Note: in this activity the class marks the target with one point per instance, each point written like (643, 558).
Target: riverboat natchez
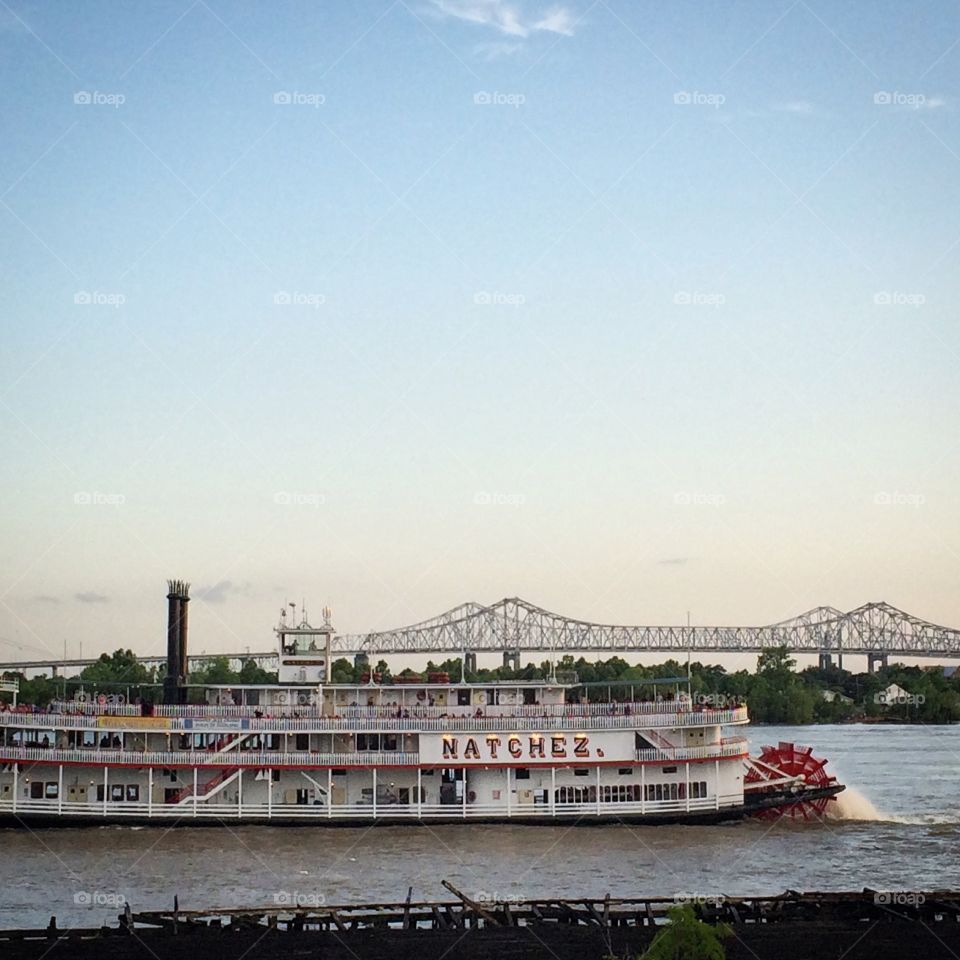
(430, 749)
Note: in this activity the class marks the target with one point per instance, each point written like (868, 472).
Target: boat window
(669, 769)
(133, 792)
(625, 771)
(36, 790)
(522, 773)
(52, 790)
(581, 772)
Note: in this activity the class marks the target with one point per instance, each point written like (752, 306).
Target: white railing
(732, 747)
(387, 710)
(119, 810)
(200, 758)
(373, 723)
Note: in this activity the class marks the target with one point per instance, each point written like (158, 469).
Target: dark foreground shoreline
(866, 925)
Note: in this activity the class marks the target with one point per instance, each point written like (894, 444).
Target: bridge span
(513, 627)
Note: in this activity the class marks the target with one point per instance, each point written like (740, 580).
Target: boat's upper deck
(593, 716)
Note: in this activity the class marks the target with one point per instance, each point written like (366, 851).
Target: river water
(903, 833)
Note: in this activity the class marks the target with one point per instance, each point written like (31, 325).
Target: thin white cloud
(90, 597)
(557, 20)
(221, 591)
(507, 18)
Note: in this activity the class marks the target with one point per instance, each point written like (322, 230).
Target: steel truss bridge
(514, 627)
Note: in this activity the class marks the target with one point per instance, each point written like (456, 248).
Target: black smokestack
(171, 682)
(182, 642)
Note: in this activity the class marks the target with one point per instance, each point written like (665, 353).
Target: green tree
(215, 671)
(39, 690)
(121, 668)
(250, 673)
(343, 671)
(687, 937)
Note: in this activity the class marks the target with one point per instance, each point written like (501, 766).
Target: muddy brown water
(902, 834)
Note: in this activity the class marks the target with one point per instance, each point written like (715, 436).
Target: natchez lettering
(536, 747)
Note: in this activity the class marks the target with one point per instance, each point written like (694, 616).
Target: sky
(628, 309)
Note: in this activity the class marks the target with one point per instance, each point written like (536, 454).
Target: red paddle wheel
(789, 772)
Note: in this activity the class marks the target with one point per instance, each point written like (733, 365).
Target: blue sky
(629, 309)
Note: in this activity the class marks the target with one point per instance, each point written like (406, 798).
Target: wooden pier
(865, 925)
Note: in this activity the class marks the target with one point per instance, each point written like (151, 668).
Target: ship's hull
(34, 820)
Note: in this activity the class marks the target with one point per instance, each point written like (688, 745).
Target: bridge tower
(511, 659)
(874, 657)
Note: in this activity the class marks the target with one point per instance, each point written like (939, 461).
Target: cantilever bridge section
(515, 626)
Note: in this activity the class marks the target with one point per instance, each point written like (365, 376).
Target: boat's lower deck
(395, 794)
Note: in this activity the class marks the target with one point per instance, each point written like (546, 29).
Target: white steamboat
(306, 750)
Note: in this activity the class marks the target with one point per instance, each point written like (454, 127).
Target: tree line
(775, 690)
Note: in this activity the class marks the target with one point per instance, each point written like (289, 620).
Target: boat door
(451, 787)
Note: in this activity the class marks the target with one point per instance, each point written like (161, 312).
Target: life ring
(421, 694)
(281, 697)
(481, 697)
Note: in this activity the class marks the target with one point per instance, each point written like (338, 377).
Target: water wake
(853, 805)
